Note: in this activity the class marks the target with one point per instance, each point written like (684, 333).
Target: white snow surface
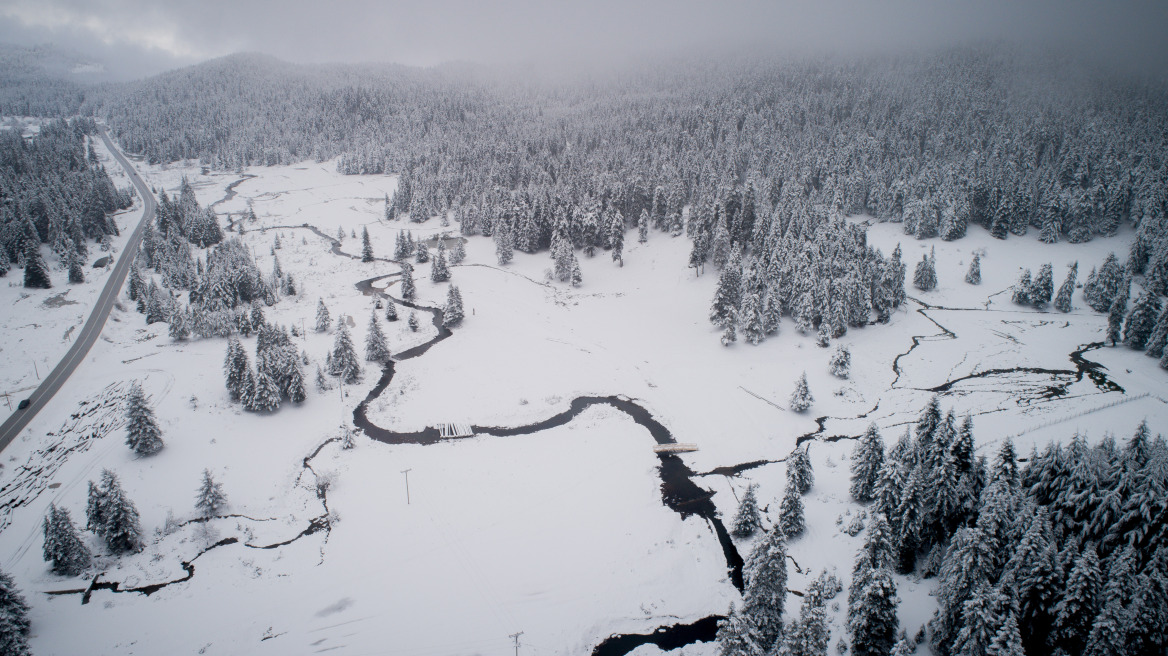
(561, 534)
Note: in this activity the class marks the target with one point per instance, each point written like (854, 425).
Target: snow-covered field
(39, 325)
(561, 534)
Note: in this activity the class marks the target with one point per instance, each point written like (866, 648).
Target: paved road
(88, 335)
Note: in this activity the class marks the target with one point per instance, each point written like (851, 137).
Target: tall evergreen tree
(439, 271)
(748, 519)
(265, 396)
(36, 272)
(142, 432)
(366, 246)
(1076, 610)
(1141, 321)
(14, 624)
(210, 499)
(235, 366)
(62, 545)
(791, 517)
(801, 398)
(867, 459)
(390, 310)
(1115, 319)
(118, 517)
(874, 625)
(616, 237)
(799, 469)
(376, 348)
(840, 363)
(1022, 289)
(322, 316)
(729, 293)
(452, 312)
(925, 276)
(766, 587)
(1062, 301)
(1159, 336)
(973, 276)
(643, 227)
(408, 291)
(1043, 287)
(344, 356)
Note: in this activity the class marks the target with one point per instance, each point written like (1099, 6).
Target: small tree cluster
(452, 312)
(112, 516)
(63, 547)
(142, 432)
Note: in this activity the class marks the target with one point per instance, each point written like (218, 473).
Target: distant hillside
(45, 81)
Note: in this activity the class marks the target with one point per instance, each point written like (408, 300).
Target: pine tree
(293, 386)
(390, 310)
(439, 271)
(266, 394)
(643, 227)
(376, 348)
(801, 398)
(421, 253)
(1159, 336)
(791, 519)
(210, 498)
(799, 469)
(235, 365)
(247, 390)
(737, 635)
(766, 587)
(135, 286)
(322, 384)
(748, 519)
(180, 325)
(119, 518)
(925, 276)
(412, 322)
(344, 356)
(1022, 288)
(577, 274)
(76, 273)
(730, 334)
(408, 291)
(1075, 611)
(452, 313)
(366, 246)
(504, 244)
(1109, 635)
(1008, 640)
(874, 625)
(1115, 319)
(1062, 301)
(14, 624)
(142, 432)
(867, 460)
(1141, 321)
(729, 292)
(840, 362)
(322, 316)
(1043, 287)
(458, 253)
(616, 237)
(36, 272)
(752, 328)
(62, 545)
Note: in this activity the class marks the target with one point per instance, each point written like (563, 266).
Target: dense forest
(53, 191)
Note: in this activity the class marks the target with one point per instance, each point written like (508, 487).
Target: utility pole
(515, 637)
(407, 473)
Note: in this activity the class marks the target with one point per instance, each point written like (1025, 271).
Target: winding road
(101, 309)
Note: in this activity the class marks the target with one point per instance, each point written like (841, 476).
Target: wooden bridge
(451, 431)
(675, 448)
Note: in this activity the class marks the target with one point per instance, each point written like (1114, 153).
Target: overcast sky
(137, 37)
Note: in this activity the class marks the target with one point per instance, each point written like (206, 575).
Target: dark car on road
(23, 404)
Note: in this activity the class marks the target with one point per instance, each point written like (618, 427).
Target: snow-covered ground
(561, 534)
(39, 325)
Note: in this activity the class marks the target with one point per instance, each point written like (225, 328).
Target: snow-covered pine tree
(344, 355)
(412, 322)
(1115, 319)
(62, 546)
(729, 293)
(142, 432)
(439, 271)
(120, 528)
(766, 587)
(867, 459)
(752, 321)
(322, 384)
(737, 635)
(1043, 287)
(1022, 288)
(1141, 321)
(616, 237)
(1159, 336)
(840, 362)
(210, 498)
(14, 624)
(390, 310)
(809, 634)
(408, 291)
(135, 287)
(1080, 601)
(266, 395)
(340, 233)
(577, 275)
(452, 312)
(376, 348)
(1062, 300)
(925, 276)
(1100, 289)
(458, 253)
(421, 253)
(799, 469)
(874, 625)
(791, 519)
(235, 365)
(973, 276)
(801, 398)
(730, 333)
(36, 272)
(748, 519)
(643, 227)
(180, 325)
(322, 316)
(293, 382)
(366, 246)
(76, 273)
